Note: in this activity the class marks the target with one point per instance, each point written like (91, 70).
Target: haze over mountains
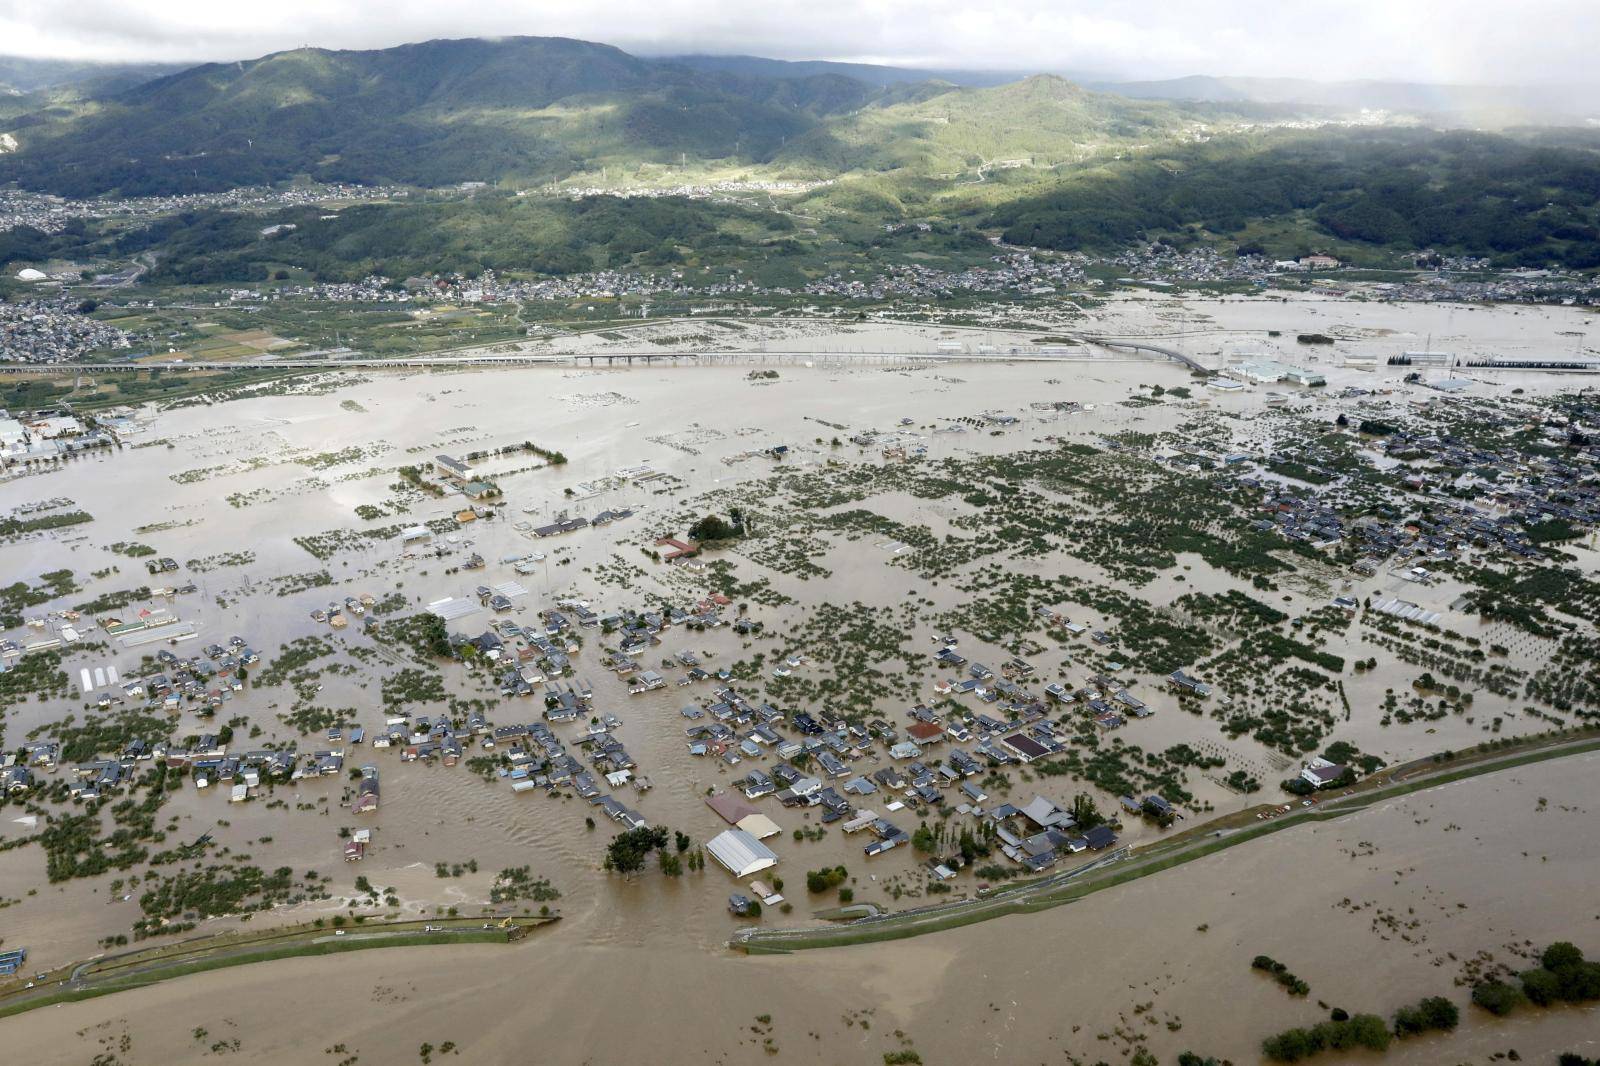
(1460, 104)
(20, 75)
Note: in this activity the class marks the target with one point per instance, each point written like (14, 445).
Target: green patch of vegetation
(37, 676)
(1433, 1014)
(517, 883)
(16, 527)
(205, 892)
(1357, 1032)
(828, 877)
(20, 595)
(1280, 973)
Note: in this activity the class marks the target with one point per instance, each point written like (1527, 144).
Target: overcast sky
(1459, 41)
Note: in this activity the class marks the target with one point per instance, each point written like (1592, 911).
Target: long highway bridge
(450, 362)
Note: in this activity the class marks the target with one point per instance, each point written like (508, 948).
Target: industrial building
(1269, 372)
(741, 853)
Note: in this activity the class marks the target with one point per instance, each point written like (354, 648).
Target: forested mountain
(536, 234)
(1489, 195)
(23, 75)
(535, 109)
(435, 113)
(1039, 161)
(869, 73)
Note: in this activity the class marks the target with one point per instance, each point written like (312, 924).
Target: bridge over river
(607, 358)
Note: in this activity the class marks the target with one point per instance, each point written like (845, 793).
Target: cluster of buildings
(53, 331)
(52, 214)
(818, 760)
(1015, 272)
(487, 287)
(204, 757)
(1161, 264)
(807, 759)
(1480, 513)
(1012, 272)
(1515, 286)
(730, 191)
(202, 684)
(861, 775)
(35, 441)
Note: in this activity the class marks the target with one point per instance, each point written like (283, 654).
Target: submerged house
(366, 800)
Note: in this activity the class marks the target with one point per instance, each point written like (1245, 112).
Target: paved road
(1141, 346)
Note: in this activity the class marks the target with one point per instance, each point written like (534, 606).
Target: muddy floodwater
(263, 503)
(1375, 911)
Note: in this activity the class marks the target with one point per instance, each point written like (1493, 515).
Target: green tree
(1435, 1012)
(712, 528)
(828, 877)
(969, 846)
(1361, 1031)
(1561, 954)
(1542, 987)
(627, 851)
(1497, 997)
(1291, 1045)
(1085, 813)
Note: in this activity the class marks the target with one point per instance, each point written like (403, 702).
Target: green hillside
(428, 114)
(1039, 162)
(949, 132)
(1522, 201)
(530, 110)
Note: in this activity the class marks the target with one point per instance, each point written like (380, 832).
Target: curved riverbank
(1130, 864)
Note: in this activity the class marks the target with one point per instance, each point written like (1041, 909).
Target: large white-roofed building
(741, 853)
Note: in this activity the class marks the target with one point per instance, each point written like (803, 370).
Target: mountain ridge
(430, 113)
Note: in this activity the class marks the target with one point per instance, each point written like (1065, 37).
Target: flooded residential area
(863, 690)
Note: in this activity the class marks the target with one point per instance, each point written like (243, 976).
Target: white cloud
(1463, 41)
